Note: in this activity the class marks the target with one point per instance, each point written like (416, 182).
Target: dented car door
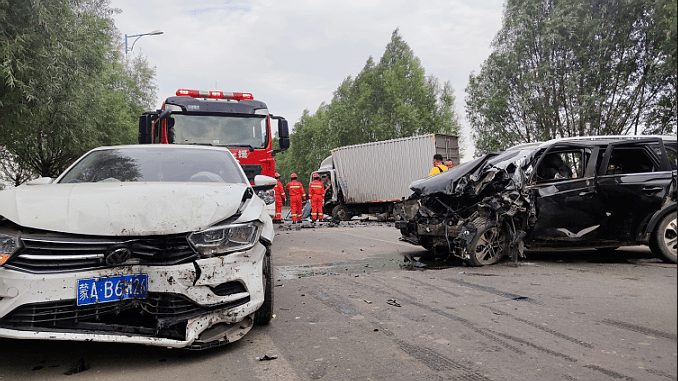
(633, 179)
(569, 211)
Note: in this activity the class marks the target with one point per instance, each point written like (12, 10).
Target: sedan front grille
(159, 315)
(64, 253)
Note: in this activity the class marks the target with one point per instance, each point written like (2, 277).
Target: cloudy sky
(292, 54)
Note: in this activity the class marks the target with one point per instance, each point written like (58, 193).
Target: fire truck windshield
(230, 130)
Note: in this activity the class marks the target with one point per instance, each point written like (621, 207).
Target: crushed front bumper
(200, 304)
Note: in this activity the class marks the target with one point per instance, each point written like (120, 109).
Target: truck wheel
(341, 212)
(663, 240)
(488, 246)
(264, 314)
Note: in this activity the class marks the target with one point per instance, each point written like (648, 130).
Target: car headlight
(225, 239)
(268, 196)
(9, 244)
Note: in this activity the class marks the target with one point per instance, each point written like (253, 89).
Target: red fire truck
(234, 120)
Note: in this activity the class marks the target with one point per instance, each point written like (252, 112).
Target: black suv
(586, 192)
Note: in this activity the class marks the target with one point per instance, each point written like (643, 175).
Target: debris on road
(393, 302)
(267, 358)
(81, 366)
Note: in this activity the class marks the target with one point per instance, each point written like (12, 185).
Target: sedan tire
(264, 314)
(488, 246)
(663, 241)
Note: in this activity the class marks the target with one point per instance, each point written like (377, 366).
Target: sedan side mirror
(263, 183)
(41, 181)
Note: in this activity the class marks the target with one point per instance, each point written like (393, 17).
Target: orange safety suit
(296, 192)
(279, 196)
(317, 191)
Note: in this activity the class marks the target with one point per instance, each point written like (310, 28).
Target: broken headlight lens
(9, 244)
(225, 239)
(268, 196)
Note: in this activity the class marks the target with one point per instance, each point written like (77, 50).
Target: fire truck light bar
(214, 94)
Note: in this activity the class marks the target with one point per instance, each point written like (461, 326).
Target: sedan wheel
(489, 245)
(663, 242)
(264, 314)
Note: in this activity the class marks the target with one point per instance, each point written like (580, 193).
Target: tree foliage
(64, 86)
(572, 68)
(386, 100)
(11, 172)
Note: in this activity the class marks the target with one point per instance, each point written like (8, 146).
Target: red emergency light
(214, 94)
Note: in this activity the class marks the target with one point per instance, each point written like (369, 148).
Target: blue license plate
(109, 289)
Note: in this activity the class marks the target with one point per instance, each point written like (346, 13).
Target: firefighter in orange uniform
(297, 194)
(316, 190)
(279, 196)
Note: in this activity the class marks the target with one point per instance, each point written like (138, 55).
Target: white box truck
(369, 178)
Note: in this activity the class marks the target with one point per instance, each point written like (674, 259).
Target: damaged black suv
(585, 192)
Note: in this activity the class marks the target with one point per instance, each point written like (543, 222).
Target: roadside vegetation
(575, 68)
(66, 85)
(389, 99)
(558, 69)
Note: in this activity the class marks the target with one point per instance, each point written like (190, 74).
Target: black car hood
(475, 173)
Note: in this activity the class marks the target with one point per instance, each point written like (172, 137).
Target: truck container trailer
(370, 177)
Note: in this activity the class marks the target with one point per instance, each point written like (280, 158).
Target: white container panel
(382, 171)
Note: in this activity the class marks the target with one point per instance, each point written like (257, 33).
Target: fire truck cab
(234, 120)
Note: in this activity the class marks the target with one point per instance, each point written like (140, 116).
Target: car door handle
(651, 190)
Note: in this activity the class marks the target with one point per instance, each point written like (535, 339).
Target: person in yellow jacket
(438, 166)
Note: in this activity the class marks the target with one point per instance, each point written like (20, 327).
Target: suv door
(569, 212)
(633, 179)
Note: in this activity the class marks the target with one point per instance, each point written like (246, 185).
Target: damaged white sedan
(157, 245)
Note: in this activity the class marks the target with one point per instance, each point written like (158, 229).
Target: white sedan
(160, 245)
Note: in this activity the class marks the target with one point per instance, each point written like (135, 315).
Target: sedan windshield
(228, 130)
(153, 164)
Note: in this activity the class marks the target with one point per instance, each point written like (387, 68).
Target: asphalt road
(346, 310)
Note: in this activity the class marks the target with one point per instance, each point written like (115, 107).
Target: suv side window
(627, 160)
(560, 165)
(671, 154)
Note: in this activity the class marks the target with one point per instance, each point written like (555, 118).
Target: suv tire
(663, 240)
(489, 245)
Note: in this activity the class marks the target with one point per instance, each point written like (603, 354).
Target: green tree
(10, 171)
(308, 148)
(572, 68)
(387, 100)
(65, 87)
(666, 17)
(392, 99)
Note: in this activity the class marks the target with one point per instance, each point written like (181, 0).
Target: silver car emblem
(118, 256)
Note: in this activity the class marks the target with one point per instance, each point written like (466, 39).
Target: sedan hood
(121, 209)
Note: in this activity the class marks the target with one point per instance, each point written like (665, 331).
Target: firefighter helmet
(277, 175)
(316, 176)
(293, 176)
